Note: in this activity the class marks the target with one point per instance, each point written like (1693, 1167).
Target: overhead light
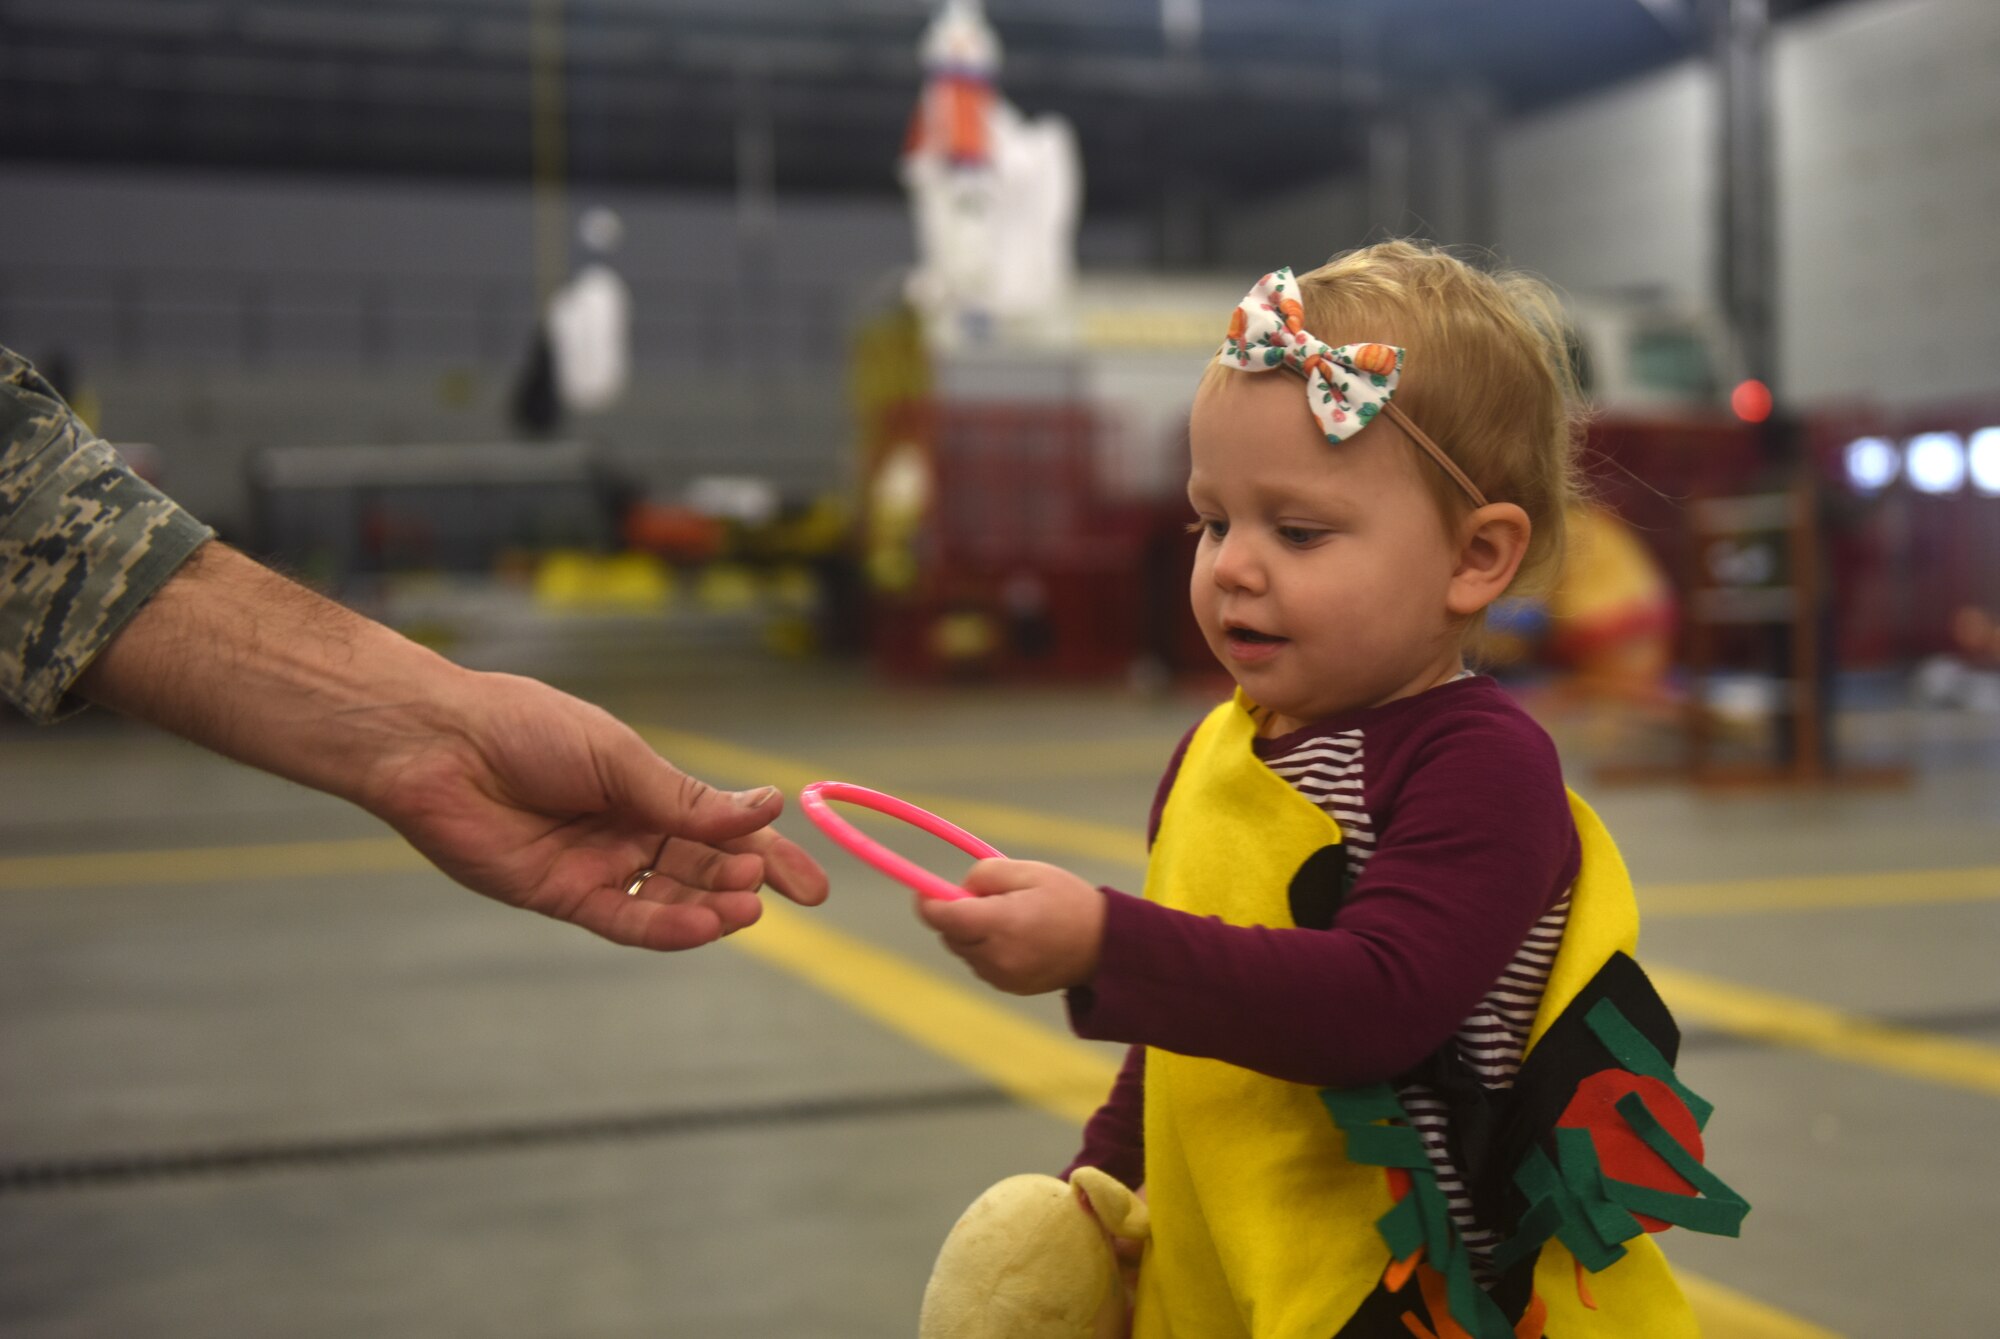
(1935, 461)
(1871, 464)
(1984, 458)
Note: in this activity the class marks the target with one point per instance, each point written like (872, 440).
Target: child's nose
(1236, 564)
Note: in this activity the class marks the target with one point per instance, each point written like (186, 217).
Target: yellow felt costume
(1262, 1226)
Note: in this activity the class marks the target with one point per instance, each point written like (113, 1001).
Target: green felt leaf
(1402, 1227)
(1385, 1145)
(1629, 1047)
(1358, 1106)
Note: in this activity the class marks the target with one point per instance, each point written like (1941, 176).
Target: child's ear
(1492, 542)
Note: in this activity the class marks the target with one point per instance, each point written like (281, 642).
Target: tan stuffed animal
(1032, 1259)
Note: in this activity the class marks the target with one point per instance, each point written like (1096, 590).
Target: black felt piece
(1474, 1116)
(1380, 1315)
(1569, 1052)
(1319, 888)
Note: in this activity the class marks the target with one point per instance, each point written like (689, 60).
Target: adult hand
(545, 802)
(514, 789)
(1031, 927)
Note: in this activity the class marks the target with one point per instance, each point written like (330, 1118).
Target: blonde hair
(1487, 377)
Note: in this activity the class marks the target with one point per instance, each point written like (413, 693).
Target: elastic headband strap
(1444, 461)
(1422, 439)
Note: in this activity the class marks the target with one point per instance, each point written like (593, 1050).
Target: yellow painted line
(1001, 824)
(1004, 824)
(1048, 1071)
(1725, 1313)
(1822, 892)
(1744, 1011)
(1037, 760)
(1038, 1066)
(1784, 1020)
(210, 864)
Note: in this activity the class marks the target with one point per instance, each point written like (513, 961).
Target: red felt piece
(1623, 1155)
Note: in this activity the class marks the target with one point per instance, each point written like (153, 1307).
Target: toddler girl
(1393, 1070)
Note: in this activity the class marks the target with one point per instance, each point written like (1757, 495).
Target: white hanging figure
(995, 196)
(590, 322)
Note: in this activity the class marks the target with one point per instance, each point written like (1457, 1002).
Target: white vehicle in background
(1641, 352)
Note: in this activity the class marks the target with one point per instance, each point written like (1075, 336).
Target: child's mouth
(1252, 644)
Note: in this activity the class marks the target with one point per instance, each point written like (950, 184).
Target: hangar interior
(268, 1073)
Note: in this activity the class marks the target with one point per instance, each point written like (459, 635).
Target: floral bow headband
(1345, 387)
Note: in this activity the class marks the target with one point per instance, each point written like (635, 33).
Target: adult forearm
(256, 667)
(513, 788)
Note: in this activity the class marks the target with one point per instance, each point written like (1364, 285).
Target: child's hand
(1130, 1254)
(1031, 928)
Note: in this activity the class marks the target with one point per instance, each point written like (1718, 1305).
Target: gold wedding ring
(639, 881)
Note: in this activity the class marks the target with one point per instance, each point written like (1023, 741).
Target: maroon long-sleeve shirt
(1452, 805)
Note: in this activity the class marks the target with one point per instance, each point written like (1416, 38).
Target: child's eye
(1298, 534)
(1217, 529)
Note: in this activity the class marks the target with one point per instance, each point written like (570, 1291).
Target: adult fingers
(671, 927)
(709, 869)
(675, 918)
(736, 910)
(679, 805)
(786, 866)
(642, 922)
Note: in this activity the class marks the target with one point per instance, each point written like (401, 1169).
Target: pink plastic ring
(813, 799)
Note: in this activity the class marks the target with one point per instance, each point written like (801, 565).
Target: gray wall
(1887, 152)
(214, 315)
(1887, 145)
(1298, 228)
(1615, 191)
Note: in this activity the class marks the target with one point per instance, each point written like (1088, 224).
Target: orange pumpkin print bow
(1346, 387)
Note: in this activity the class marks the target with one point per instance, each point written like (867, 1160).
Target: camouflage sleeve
(83, 543)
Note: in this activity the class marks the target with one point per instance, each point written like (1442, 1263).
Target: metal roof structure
(1245, 96)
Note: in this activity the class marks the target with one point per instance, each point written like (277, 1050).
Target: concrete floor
(324, 1098)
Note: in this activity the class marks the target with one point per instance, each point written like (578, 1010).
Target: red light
(1751, 400)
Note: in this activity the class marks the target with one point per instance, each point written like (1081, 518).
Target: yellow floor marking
(1046, 1070)
(1139, 756)
(210, 864)
(1051, 1072)
(1004, 824)
(1001, 824)
(1784, 1020)
(1819, 892)
(1727, 1314)
(1037, 1065)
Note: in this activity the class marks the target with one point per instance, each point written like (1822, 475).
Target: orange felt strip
(1399, 1271)
(1438, 1302)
